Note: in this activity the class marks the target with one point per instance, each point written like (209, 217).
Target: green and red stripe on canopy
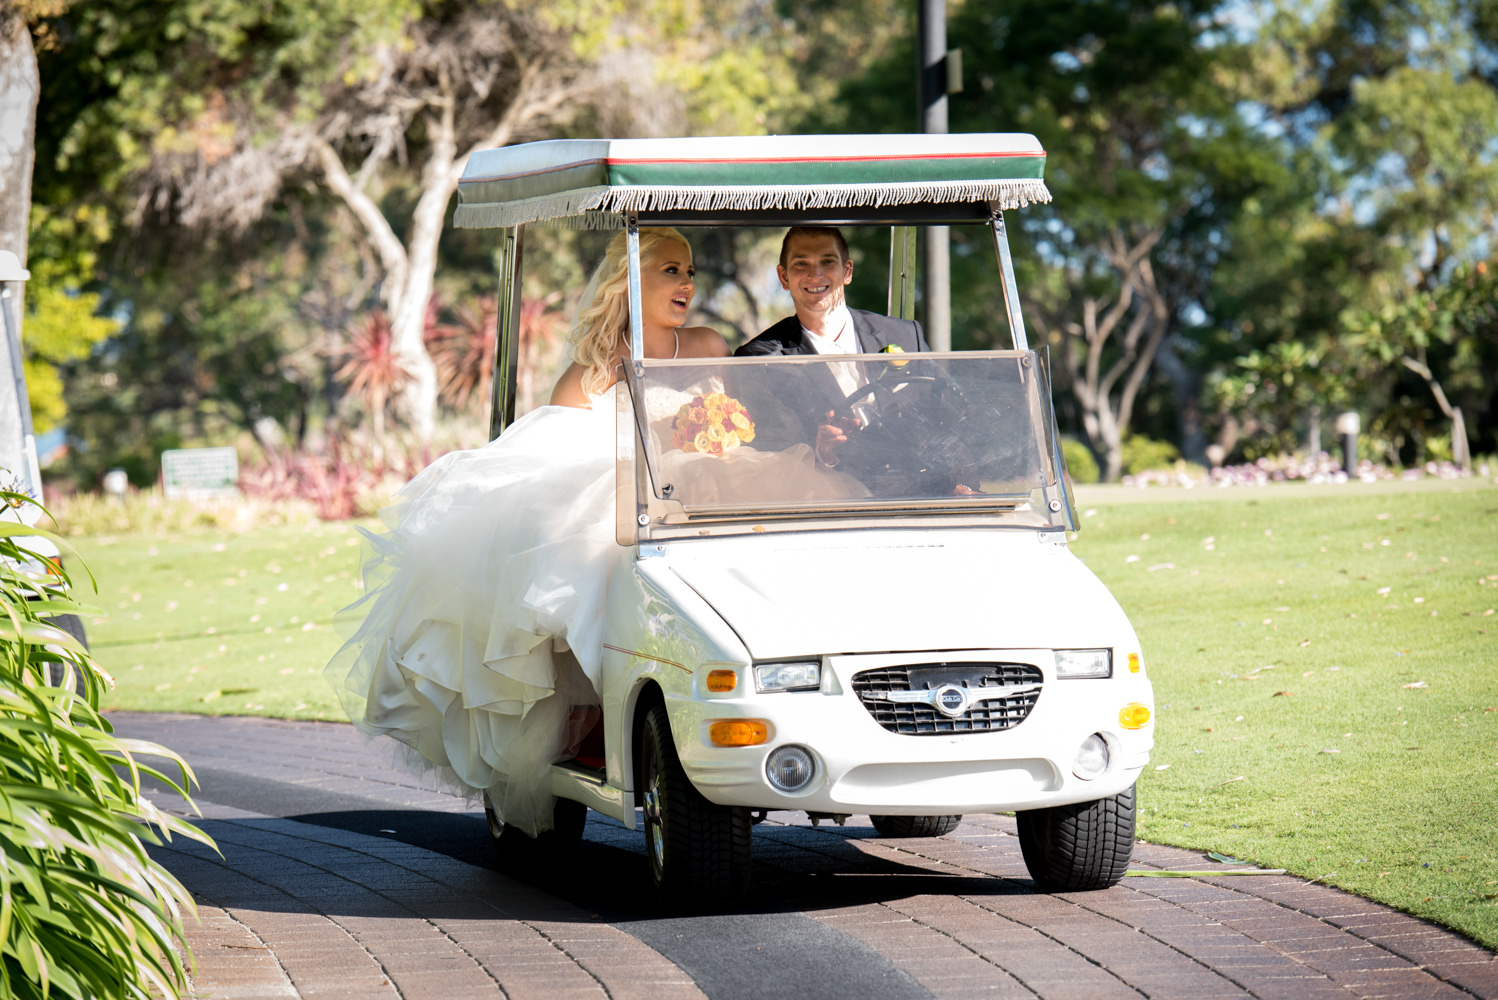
(592, 182)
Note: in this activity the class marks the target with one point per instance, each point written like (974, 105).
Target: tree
(1148, 159)
(1391, 106)
(379, 105)
(1457, 321)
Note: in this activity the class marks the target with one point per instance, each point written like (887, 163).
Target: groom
(815, 268)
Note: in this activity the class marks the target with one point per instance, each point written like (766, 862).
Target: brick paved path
(317, 906)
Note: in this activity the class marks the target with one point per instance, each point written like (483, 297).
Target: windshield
(815, 435)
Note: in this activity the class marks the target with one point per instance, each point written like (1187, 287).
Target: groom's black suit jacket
(875, 333)
(798, 405)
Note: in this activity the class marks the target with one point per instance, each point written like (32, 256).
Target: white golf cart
(905, 636)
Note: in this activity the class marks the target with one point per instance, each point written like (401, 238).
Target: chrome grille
(977, 681)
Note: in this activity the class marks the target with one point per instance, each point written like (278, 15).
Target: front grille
(921, 719)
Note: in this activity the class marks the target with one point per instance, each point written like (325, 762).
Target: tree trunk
(417, 401)
(1187, 386)
(19, 86)
(1461, 455)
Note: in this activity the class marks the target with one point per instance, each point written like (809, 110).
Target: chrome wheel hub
(654, 836)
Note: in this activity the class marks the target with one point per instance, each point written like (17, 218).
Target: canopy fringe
(601, 207)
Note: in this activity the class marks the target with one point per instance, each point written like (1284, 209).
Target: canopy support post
(901, 272)
(506, 333)
(634, 372)
(636, 307)
(1006, 279)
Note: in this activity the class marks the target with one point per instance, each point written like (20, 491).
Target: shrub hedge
(84, 910)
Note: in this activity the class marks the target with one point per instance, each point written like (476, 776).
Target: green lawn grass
(1326, 683)
(222, 622)
(1325, 665)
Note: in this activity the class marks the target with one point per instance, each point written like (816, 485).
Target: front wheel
(699, 852)
(915, 826)
(1078, 847)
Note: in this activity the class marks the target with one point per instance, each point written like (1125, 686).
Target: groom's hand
(831, 434)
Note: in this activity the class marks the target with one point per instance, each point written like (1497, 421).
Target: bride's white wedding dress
(481, 631)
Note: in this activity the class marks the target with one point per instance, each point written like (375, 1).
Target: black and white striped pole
(941, 74)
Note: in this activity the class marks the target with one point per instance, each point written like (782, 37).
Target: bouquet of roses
(712, 424)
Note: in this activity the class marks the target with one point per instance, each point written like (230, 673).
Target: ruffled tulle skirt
(480, 631)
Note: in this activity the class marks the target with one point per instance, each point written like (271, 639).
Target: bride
(484, 601)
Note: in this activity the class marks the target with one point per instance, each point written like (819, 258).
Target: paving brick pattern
(299, 910)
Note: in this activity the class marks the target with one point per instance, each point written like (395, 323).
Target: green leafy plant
(84, 910)
(1141, 454)
(1079, 461)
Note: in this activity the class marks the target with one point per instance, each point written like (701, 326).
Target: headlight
(1084, 663)
(798, 676)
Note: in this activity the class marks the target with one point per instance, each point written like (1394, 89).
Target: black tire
(915, 826)
(1078, 847)
(73, 626)
(518, 849)
(699, 853)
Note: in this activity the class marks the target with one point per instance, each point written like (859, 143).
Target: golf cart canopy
(759, 180)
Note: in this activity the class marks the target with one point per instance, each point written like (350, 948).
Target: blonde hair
(603, 317)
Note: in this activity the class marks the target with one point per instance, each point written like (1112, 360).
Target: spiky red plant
(373, 369)
(463, 351)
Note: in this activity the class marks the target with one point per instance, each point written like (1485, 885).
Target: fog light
(1092, 758)
(738, 732)
(1134, 715)
(722, 680)
(791, 768)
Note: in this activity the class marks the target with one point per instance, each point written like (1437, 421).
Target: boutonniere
(895, 349)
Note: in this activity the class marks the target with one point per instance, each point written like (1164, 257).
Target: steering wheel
(910, 442)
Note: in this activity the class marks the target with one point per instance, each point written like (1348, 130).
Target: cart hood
(923, 591)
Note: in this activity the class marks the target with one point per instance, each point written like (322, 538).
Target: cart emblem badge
(950, 700)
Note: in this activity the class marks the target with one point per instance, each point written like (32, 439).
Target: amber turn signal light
(1133, 663)
(738, 732)
(722, 680)
(1134, 715)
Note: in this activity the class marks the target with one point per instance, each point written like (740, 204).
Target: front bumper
(863, 768)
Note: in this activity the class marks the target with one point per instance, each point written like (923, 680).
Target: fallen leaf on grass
(1417, 684)
(1304, 643)
(1382, 591)
(1161, 767)
(1230, 781)
(1158, 566)
(1283, 694)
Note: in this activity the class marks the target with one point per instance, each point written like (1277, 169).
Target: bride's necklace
(675, 345)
